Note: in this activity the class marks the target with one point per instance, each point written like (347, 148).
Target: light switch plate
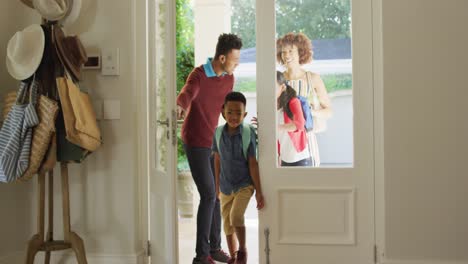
(111, 109)
(111, 62)
(97, 105)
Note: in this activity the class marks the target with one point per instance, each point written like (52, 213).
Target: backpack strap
(245, 133)
(218, 132)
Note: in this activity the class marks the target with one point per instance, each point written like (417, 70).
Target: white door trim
(379, 189)
(140, 56)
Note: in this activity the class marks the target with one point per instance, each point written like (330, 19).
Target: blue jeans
(209, 213)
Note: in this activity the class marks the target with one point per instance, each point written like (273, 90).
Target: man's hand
(260, 200)
(180, 113)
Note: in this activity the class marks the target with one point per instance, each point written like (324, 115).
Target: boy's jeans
(209, 215)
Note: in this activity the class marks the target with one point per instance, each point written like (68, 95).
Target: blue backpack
(309, 121)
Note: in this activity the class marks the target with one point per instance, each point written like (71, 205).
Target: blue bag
(16, 134)
(309, 121)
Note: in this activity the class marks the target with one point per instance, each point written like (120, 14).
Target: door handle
(163, 122)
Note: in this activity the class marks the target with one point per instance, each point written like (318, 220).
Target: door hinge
(375, 254)
(148, 248)
(266, 232)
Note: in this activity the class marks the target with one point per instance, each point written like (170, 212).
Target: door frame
(142, 39)
(141, 73)
(140, 55)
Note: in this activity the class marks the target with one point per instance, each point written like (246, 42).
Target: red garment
(298, 136)
(203, 98)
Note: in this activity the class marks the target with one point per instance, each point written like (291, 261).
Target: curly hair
(226, 43)
(301, 41)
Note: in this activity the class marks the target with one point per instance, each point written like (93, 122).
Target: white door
(317, 215)
(162, 132)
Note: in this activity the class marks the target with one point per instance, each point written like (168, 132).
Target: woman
(293, 51)
(292, 137)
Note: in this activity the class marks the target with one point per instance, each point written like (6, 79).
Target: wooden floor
(187, 235)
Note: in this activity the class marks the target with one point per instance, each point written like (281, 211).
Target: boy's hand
(260, 200)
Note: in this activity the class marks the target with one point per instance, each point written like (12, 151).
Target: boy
(236, 173)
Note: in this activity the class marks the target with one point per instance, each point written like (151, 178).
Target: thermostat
(94, 62)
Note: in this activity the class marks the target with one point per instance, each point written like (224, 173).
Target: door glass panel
(314, 57)
(161, 83)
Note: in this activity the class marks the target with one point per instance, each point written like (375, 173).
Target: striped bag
(16, 134)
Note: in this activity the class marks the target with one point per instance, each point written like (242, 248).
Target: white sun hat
(73, 13)
(24, 52)
(52, 10)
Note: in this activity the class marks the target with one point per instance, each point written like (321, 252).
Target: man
(200, 103)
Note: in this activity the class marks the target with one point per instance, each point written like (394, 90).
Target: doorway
(343, 194)
(187, 52)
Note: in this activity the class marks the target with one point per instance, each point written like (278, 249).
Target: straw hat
(24, 52)
(52, 10)
(70, 51)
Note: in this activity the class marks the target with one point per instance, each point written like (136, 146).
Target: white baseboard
(68, 257)
(393, 261)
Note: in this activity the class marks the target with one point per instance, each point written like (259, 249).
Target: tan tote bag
(79, 116)
(47, 110)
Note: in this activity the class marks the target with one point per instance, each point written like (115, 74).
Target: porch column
(212, 17)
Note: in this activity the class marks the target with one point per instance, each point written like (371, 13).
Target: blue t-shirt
(234, 172)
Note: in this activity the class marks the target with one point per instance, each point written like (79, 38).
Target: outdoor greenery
(333, 82)
(185, 60)
(318, 19)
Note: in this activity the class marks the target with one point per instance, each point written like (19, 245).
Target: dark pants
(305, 163)
(209, 214)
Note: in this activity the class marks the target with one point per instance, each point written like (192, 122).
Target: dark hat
(70, 51)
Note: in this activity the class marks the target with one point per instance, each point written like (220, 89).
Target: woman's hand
(254, 121)
(289, 127)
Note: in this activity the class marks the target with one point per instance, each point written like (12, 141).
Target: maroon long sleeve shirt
(202, 97)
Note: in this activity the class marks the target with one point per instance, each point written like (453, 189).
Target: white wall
(15, 199)
(104, 189)
(212, 18)
(426, 128)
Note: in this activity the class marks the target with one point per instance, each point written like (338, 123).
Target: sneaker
(232, 260)
(203, 260)
(241, 257)
(220, 256)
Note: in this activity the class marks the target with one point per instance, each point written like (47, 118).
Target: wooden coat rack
(40, 242)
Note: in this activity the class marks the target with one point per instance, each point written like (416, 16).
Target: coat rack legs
(71, 239)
